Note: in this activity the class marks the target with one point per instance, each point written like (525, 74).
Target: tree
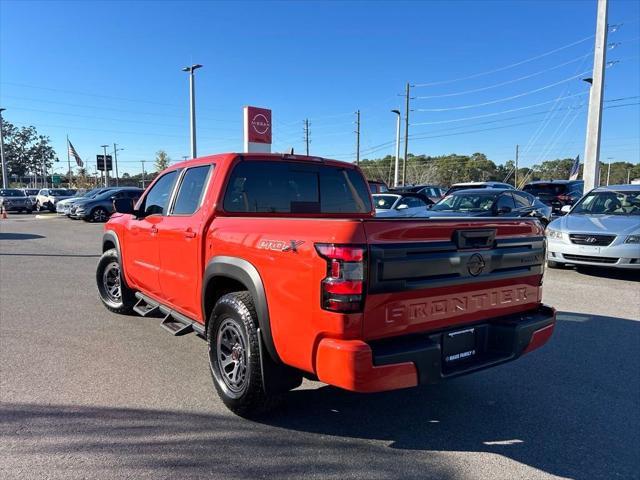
(26, 152)
(162, 160)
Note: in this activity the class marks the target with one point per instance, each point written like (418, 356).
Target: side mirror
(123, 205)
(565, 209)
(402, 207)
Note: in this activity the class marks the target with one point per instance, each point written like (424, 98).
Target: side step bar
(175, 323)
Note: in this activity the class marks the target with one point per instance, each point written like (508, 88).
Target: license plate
(588, 249)
(459, 345)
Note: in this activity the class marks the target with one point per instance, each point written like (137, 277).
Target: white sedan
(602, 229)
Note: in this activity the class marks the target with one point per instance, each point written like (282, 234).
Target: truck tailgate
(430, 274)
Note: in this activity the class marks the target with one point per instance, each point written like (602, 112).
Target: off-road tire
(236, 313)
(127, 299)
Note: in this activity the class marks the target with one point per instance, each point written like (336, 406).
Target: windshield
(384, 202)
(32, 191)
(58, 192)
(71, 191)
(11, 192)
(91, 193)
(466, 202)
(609, 202)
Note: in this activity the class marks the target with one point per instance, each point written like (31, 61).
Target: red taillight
(342, 288)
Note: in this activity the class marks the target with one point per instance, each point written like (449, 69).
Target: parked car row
(475, 199)
(29, 199)
(96, 205)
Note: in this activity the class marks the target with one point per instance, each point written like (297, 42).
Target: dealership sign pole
(257, 130)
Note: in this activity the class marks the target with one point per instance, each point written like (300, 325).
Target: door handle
(153, 230)
(189, 233)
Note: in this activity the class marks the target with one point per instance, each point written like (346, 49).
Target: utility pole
(143, 179)
(106, 169)
(5, 180)
(358, 137)
(406, 136)
(609, 169)
(306, 134)
(628, 176)
(395, 175)
(515, 172)
(192, 106)
(594, 121)
(69, 163)
(115, 159)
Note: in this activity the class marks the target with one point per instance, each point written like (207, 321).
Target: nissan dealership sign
(257, 130)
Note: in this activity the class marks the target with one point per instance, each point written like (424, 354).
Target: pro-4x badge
(280, 245)
(293, 246)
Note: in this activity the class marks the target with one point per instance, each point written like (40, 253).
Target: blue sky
(105, 72)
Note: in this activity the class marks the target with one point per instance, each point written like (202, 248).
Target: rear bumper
(408, 361)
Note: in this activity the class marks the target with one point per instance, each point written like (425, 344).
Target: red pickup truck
(279, 262)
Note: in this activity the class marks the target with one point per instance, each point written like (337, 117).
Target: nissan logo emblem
(475, 264)
(260, 124)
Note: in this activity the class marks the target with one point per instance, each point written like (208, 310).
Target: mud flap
(277, 378)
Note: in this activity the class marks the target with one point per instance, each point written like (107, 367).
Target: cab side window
(522, 200)
(157, 199)
(505, 200)
(191, 190)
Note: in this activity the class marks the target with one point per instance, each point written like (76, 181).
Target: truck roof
(230, 156)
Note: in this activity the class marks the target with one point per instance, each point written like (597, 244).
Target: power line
(481, 89)
(96, 107)
(420, 137)
(72, 92)
(486, 115)
(506, 67)
(505, 99)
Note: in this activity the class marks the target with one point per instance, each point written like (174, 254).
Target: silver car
(400, 204)
(602, 229)
(14, 200)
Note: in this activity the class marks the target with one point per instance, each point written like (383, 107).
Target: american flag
(74, 154)
(575, 169)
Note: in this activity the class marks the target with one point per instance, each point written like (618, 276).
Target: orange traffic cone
(4, 212)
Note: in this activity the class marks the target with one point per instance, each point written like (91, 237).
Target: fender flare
(111, 236)
(244, 272)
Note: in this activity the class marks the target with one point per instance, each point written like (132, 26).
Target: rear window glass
(281, 187)
(548, 188)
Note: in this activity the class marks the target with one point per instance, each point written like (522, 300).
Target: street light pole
(106, 169)
(192, 106)
(395, 174)
(609, 169)
(5, 180)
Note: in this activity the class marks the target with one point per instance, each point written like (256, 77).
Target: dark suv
(556, 193)
(100, 207)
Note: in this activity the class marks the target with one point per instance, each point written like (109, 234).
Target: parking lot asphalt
(85, 393)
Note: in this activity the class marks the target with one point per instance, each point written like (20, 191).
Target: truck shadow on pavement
(569, 409)
(19, 236)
